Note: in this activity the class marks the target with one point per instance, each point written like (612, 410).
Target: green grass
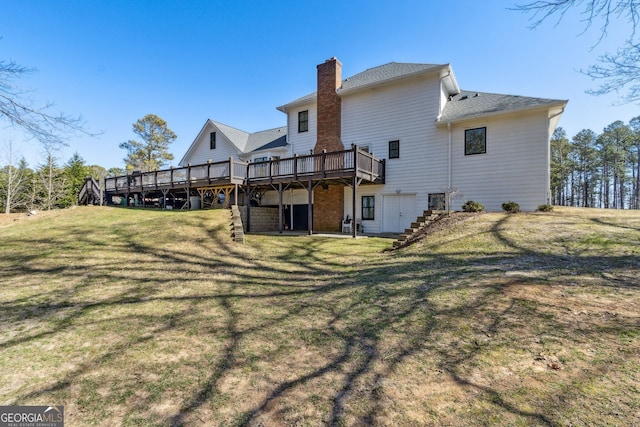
(143, 317)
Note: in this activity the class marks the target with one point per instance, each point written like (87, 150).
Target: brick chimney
(328, 206)
(329, 106)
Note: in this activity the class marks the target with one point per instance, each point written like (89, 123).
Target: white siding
(405, 111)
(201, 152)
(514, 166)
(302, 142)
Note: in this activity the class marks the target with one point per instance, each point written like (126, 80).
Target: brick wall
(328, 208)
(328, 204)
(329, 107)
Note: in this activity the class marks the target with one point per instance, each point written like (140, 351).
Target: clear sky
(235, 61)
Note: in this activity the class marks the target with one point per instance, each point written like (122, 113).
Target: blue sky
(112, 62)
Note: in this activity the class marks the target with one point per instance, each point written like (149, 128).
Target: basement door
(398, 212)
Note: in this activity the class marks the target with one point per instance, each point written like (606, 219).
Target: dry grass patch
(131, 317)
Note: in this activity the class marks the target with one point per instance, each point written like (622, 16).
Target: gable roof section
(375, 76)
(238, 137)
(244, 142)
(267, 139)
(469, 105)
(384, 74)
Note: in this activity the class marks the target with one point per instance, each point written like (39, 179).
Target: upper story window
(212, 141)
(303, 121)
(394, 149)
(475, 141)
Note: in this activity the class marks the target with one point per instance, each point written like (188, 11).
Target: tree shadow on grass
(322, 343)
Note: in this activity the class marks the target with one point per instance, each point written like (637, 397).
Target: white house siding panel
(405, 111)
(370, 226)
(201, 152)
(302, 142)
(513, 168)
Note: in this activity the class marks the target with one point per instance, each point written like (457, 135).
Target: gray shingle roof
(247, 142)
(237, 137)
(470, 104)
(382, 73)
(267, 139)
(372, 76)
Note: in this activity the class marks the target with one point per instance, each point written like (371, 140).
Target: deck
(346, 166)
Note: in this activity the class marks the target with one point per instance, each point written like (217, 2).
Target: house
(430, 136)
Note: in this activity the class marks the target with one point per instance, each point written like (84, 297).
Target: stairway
(90, 193)
(410, 235)
(237, 230)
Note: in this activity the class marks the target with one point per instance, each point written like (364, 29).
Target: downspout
(449, 156)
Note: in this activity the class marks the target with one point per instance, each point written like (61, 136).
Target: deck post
(354, 196)
(248, 203)
(280, 209)
(324, 162)
(235, 195)
(309, 208)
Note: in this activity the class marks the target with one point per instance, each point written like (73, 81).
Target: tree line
(597, 170)
(48, 186)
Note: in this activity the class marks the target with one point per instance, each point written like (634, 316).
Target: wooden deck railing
(318, 166)
(228, 172)
(335, 164)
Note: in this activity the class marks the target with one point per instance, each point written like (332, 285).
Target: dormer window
(303, 121)
(212, 141)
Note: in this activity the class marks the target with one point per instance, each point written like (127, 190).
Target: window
(303, 121)
(436, 202)
(212, 141)
(394, 149)
(364, 148)
(261, 169)
(368, 207)
(475, 141)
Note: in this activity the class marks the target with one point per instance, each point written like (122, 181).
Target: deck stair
(90, 193)
(237, 230)
(417, 228)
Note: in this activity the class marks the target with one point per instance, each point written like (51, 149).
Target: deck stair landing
(418, 228)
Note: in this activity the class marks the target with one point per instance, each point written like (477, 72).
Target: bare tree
(51, 181)
(37, 122)
(617, 70)
(13, 181)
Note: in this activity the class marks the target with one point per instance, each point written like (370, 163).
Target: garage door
(398, 212)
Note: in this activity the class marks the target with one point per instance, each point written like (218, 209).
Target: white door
(398, 212)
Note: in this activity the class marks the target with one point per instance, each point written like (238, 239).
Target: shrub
(471, 206)
(511, 207)
(545, 208)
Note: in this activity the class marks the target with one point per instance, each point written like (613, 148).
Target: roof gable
(243, 142)
(373, 77)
